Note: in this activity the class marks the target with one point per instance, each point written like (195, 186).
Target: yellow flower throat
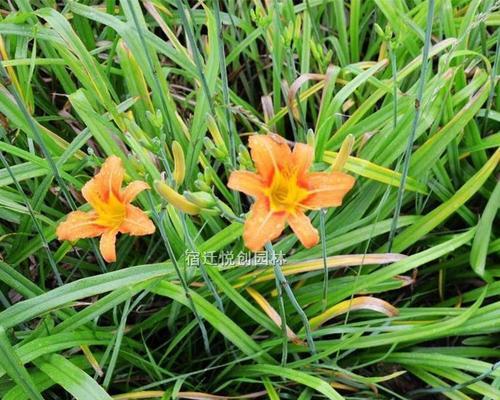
(285, 194)
(111, 213)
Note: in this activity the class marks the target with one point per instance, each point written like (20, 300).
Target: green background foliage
(82, 80)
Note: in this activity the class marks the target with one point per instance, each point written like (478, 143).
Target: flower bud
(344, 153)
(310, 138)
(137, 165)
(213, 212)
(226, 210)
(155, 119)
(209, 145)
(215, 132)
(379, 31)
(207, 176)
(179, 163)
(174, 198)
(244, 157)
(200, 184)
(201, 199)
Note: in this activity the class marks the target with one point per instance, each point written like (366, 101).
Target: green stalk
(322, 229)
(283, 282)
(394, 69)
(411, 139)
(225, 96)
(117, 344)
(159, 222)
(31, 212)
(426, 392)
(196, 53)
(281, 305)
(493, 74)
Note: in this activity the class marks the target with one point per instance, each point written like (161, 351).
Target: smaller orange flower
(112, 212)
(284, 189)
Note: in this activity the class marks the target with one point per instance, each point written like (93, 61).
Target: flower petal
(302, 158)
(92, 194)
(137, 222)
(327, 189)
(268, 153)
(110, 177)
(302, 227)
(246, 182)
(129, 193)
(262, 225)
(107, 245)
(79, 225)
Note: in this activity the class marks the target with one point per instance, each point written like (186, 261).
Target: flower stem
(322, 229)
(418, 110)
(170, 251)
(282, 282)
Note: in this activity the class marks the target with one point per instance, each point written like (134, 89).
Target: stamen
(111, 213)
(285, 194)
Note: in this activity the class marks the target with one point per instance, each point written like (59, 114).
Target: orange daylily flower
(284, 189)
(112, 212)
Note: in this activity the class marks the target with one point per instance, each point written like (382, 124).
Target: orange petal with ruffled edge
(268, 153)
(109, 179)
(262, 225)
(79, 225)
(129, 193)
(302, 158)
(327, 189)
(91, 193)
(302, 227)
(107, 245)
(246, 182)
(137, 223)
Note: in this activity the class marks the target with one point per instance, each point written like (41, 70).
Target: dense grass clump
(398, 300)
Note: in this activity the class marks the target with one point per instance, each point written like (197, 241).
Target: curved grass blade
(71, 378)
(10, 362)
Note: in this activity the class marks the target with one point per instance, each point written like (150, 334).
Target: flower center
(111, 213)
(285, 194)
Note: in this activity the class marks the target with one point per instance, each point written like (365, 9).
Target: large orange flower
(284, 189)
(112, 212)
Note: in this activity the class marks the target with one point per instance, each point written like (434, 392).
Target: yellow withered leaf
(357, 303)
(333, 262)
(273, 314)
